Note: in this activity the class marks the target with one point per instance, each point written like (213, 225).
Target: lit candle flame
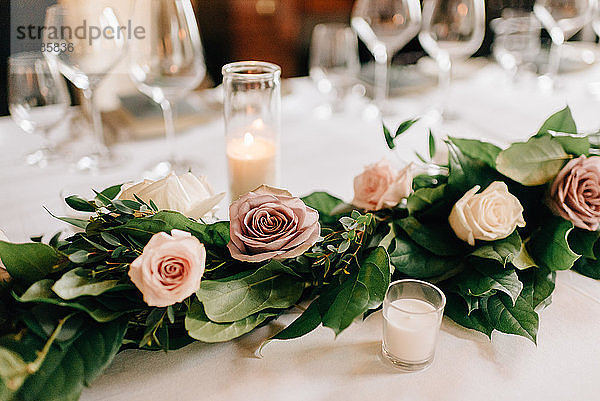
(258, 124)
(248, 139)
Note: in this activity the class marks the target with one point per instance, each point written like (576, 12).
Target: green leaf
(325, 204)
(457, 310)
(532, 163)
(79, 223)
(582, 242)
(561, 121)
(486, 278)
(588, 267)
(389, 139)
(431, 145)
(304, 324)
(358, 293)
(404, 126)
(200, 327)
(79, 204)
(440, 240)
(467, 172)
(30, 262)
(538, 285)
(72, 285)
(503, 250)
(414, 261)
(41, 292)
(65, 371)
(110, 239)
(79, 256)
(235, 299)
(111, 192)
(423, 198)
(475, 149)
(519, 318)
(549, 247)
(523, 260)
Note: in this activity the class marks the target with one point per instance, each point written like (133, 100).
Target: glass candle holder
(412, 315)
(252, 111)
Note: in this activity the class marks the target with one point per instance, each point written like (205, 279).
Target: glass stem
(554, 60)
(382, 72)
(97, 130)
(444, 81)
(169, 117)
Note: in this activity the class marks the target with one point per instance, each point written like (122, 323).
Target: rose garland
(140, 275)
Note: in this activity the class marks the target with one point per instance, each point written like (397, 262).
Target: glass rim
(425, 284)
(242, 70)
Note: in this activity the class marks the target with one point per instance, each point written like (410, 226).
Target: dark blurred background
(278, 31)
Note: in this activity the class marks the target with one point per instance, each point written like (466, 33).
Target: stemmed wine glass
(85, 57)
(334, 63)
(385, 26)
(37, 99)
(167, 64)
(562, 19)
(452, 30)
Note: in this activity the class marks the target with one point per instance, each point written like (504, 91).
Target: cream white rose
(490, 215)
(186, 194)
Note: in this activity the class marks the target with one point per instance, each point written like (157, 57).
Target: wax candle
(410, 331)
(412, 315)
(252, 162)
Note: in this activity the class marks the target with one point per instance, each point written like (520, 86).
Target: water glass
(37, 100)
(334, 62)
(517, 39)
(412, 315)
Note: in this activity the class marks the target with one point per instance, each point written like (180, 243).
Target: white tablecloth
(326, 155)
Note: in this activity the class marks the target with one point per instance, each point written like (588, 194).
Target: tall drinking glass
(385, 26)
(85, 43)
(334, 62)
(167, 65)
(252, 111)
(562, 19)
(452, 30)
(37, 100)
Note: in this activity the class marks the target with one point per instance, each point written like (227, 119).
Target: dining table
(324, 152)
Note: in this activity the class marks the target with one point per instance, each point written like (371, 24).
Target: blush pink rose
(269, 223)
(169, 269)
(575, 193)
(380, 186)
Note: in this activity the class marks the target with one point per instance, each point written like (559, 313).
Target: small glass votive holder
(412, 315)
(252, 111)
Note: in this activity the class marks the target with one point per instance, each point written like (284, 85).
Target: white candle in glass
(409, 331)
(412, 315)
(252, 160)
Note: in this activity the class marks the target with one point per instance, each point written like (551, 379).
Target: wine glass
(452, 30)
(562, 19)
(167, 65)
(385, 26)
(85, 43)
(37, 100)
(334, 62)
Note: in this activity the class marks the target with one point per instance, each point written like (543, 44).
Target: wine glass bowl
(37, 98)
(85, 43)
(385, 26)
(167, 64)
(333, 61)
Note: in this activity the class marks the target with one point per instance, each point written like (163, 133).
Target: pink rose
(170, 268)
(575, 193)
(268, 223)
(380, 186)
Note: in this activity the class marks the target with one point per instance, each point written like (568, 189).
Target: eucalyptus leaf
(31, 262)
(72, 285)
(200, 327)
(79, 204)
(431, 145)
(235, 299)
(549, 247)
(532, 163)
